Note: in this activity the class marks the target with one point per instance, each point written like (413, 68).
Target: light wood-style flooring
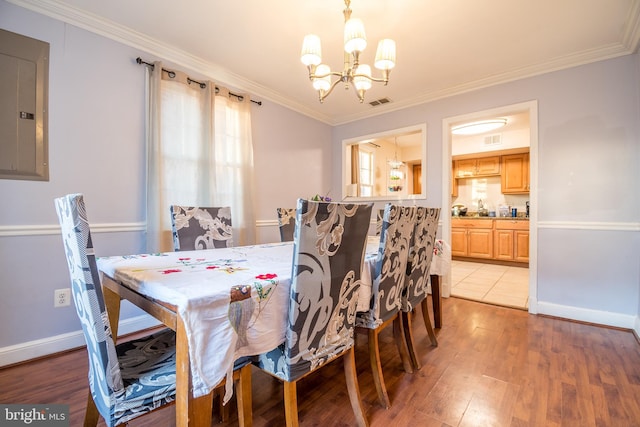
(494, 366)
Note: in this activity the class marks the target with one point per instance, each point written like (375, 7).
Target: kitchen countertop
(499, 218)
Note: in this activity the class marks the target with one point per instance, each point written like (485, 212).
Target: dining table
(223, 303)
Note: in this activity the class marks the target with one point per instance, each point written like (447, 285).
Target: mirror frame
(422, 128)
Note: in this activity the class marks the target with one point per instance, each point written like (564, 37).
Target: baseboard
(45, 346)
(605, 318)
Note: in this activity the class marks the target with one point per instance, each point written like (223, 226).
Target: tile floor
(494, 284)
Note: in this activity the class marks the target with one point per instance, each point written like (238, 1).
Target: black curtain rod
(172, 74)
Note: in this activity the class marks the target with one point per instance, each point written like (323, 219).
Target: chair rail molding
(590, 225)
(50, 229)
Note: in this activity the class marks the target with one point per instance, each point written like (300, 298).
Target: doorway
(531, 109)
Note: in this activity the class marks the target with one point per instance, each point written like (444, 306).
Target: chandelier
(355, 74)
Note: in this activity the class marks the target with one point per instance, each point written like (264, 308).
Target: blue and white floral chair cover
(201, 228)
(386, 289)
(286, 223)
(329, 248)
(415, 291)
(127, 380)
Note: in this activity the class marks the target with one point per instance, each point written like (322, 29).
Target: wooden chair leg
(351, 375)
(290, 404)
(243, 397)
(223, 410)
(376, 368)
(91, 414)
(401, 343)
(427, 322)
(408, 333)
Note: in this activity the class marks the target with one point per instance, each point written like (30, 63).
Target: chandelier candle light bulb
(355, 74)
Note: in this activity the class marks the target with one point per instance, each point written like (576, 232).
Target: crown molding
(162, 51)
(125, 35)
(558, 64)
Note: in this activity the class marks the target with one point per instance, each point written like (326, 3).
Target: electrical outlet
(62, 297)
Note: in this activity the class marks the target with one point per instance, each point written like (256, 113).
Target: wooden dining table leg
(190, 411)
(436, 296)
(112, 304)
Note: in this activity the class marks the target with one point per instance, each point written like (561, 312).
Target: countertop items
(474, 216)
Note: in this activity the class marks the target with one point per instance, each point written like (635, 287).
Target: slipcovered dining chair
(328, 255)
(132, 378)
(201, 227)
(379, 218)
(415, 291)
(388, 282)
(286, 223)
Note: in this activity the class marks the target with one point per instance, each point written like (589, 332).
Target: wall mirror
(386, 165)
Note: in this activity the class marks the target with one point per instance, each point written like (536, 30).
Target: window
(366, 173)
(200, 154)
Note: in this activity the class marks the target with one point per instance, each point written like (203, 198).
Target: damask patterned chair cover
(329, 249)
(127, 380)
(201, 228)
(287, 223)
(386, 289)
(415, 291)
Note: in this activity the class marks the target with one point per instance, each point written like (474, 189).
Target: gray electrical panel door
(24, 70)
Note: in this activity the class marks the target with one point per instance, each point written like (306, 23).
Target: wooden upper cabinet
(482, 166)
(488, 166)
(515, 173)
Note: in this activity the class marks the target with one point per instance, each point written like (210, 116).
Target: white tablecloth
(441, 262)
(199, 284)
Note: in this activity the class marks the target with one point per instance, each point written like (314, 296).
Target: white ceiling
(444, 46)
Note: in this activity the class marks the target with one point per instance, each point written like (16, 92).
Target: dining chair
(329, 248)
(379, 218)
(132, 378)
(286, 223)
(201, 227)
(414, 293)
(388, 282)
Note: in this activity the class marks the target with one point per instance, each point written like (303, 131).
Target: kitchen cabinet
(515, 174)
(491, 239)
(511, 240)
(472, 238)
(482, 166)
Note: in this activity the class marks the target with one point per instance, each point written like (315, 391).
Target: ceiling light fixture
(359, 75)
(396, 164)
(478, 127)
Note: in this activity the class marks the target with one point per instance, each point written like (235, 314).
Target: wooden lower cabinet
(503, 240)
(511, 239)
(480, 243)
(459, 241)
(472, 238)
(521, 246)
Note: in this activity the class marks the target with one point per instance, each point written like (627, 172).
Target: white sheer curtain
(199, 154)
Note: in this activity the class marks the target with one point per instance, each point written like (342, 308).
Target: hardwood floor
(494, 366)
